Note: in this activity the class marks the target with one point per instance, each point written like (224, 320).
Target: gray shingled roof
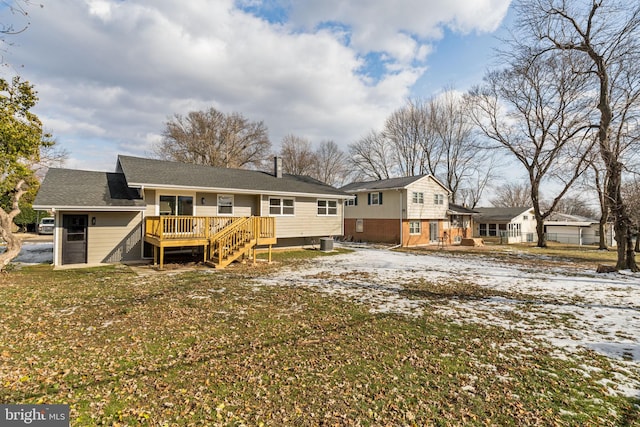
(384, 184)
(563, 217)
(84, 189)
(499, 214)
(158, 173)
(461, 210)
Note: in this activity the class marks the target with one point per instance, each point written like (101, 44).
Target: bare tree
(436, 137)
(461, 162)
(603, 38)
(331, 165)
(298, 157)
(372, 156)
(410, 133)
(17, 8)
(534, 110)
(471, 194)
(215, 139)
(575, 204)
(512, 195)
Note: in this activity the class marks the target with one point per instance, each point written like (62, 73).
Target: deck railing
(200, 227)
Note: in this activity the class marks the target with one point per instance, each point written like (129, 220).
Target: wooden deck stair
(233, 242)
(224, 239)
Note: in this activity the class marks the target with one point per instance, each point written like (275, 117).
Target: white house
(511, 225)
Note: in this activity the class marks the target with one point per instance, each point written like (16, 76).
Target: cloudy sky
(110, 73)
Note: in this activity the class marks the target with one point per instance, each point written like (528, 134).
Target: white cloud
(386, 25)
(114, 71)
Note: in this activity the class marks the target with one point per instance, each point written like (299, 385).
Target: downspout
(401, 241)
(56, 238)
(399, 244)
(144, 223)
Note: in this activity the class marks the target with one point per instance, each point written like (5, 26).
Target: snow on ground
(570, 309)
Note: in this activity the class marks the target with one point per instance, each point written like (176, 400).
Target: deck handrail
(234, 237)
(185, 227)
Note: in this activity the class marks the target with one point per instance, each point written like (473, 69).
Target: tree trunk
(622, 226)
(14, 244)
(6, 223)
(542, 241)
(630, 254)
(602, 229)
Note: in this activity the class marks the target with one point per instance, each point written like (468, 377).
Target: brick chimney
(277, 167)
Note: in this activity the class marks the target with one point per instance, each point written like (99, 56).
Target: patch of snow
(571, 309)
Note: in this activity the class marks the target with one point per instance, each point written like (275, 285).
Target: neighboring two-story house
(147, 206)
(409, 211)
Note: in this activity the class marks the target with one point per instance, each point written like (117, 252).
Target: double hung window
(280, 206)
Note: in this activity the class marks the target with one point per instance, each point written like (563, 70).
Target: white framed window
(415, 227)
(375, 198)
(525, 218)
(225, 204)
(281, 206)
(351, 202)
(359, 225)
(417, 197)
(327, 207)
(438, 199)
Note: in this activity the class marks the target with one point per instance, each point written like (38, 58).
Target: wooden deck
(223, 239)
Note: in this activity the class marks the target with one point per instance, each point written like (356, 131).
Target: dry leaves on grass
(215, 349)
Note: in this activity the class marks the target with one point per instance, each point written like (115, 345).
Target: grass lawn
(210, 348)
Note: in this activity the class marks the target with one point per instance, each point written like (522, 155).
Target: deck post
(161, 257)
(155, 255)
(269, 254)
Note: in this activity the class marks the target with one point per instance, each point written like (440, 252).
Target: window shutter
(380, 197)
(355, 202)
(368, 198)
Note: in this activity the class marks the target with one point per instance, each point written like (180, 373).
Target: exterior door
(74, 239)
(433, 231)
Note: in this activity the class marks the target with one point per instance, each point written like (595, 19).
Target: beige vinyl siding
(243, 204)
(426, 210)
(306, 222)
(389, 209)
(396, 201)
(116, 237)
(150, 200)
